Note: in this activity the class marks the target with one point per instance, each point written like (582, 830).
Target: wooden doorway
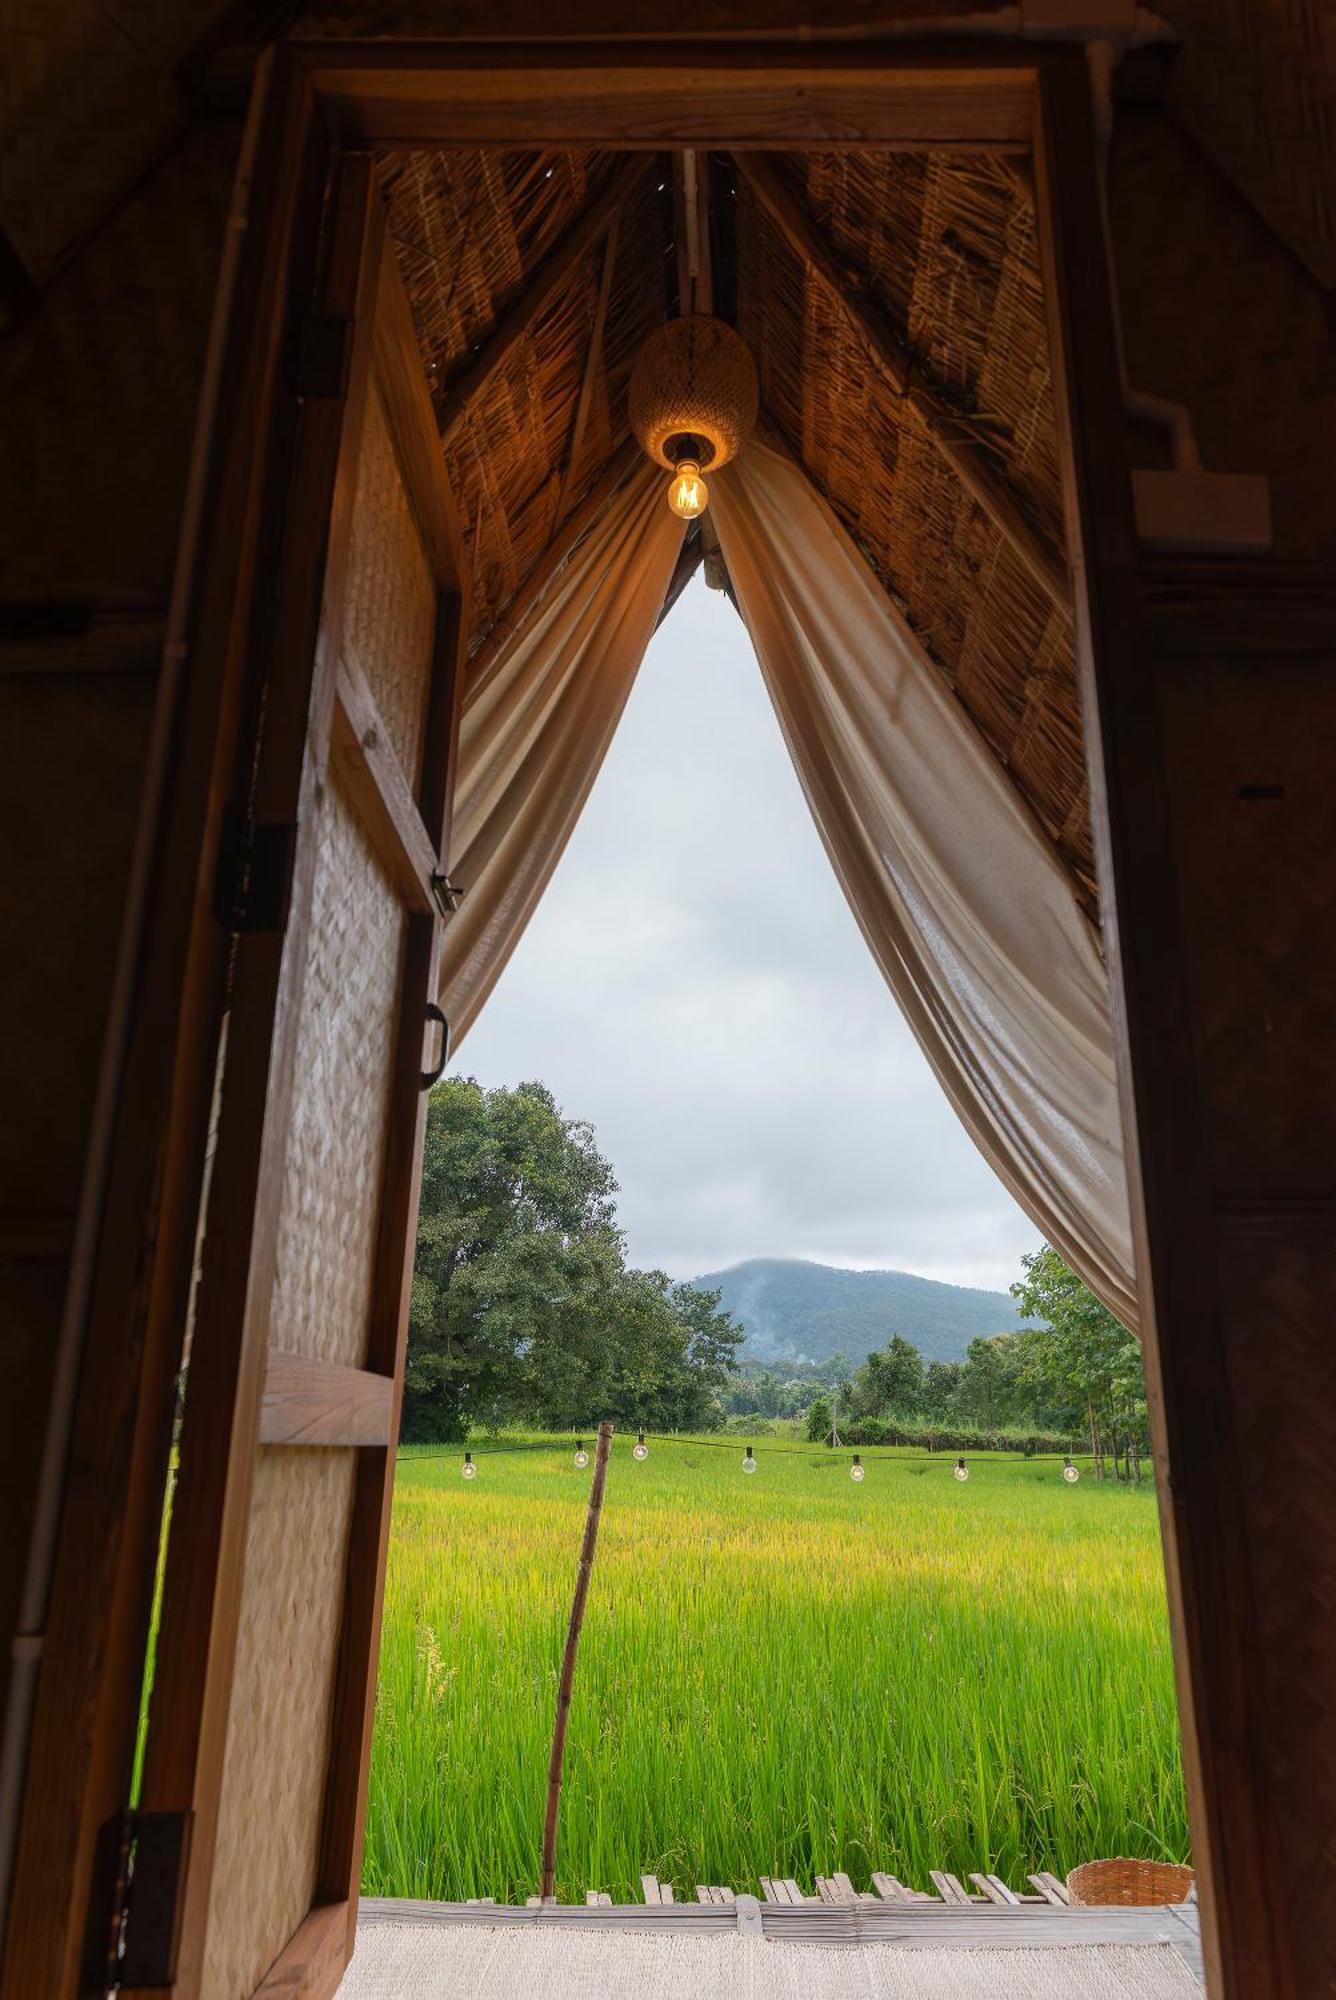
(299, 758)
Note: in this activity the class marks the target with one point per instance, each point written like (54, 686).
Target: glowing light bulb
(1070, 1472)
(749, 1463)
(960, 1469)
(469, 1469)
(857, 1471)
(581, 1455)
(640, 1449)
(688, 495)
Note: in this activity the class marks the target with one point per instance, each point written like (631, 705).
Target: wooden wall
(1220, 315)
(99, 387)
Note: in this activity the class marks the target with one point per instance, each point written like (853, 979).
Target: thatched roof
(939, 250)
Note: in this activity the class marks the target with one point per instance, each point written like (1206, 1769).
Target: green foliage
(889, 1380)
(523, 1308)
(1087, 1366)
(819, 1420)
(1078, 1376)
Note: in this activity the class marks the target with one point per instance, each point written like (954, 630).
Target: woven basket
(1129, 1883)
(694, 378)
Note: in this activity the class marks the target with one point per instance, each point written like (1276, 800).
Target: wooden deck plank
(1053, 1890)
(649, 1888)
(995, 1889)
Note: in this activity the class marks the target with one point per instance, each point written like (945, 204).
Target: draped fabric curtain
(535, 728)
(963, 903)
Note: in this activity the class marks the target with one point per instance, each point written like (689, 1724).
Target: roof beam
(691, 219)
(593, 362)
(543, 283)
(567, 538)
(985, 485)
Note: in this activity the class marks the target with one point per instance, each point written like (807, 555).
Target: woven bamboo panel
(264, 1878)
(1255, 81)
(389, 619)
(99, 389)
(949, 249)
(468, 227)
(90, 98)
(340, 1114)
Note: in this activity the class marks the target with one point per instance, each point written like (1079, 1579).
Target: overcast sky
(694, 985)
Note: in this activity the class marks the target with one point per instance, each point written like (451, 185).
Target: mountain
(796, 1311)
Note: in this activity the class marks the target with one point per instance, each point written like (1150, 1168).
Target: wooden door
(259, 1722)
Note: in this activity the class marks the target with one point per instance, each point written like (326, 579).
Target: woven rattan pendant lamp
(692, 402)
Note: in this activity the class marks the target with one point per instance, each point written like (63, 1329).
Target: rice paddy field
(782, 1674)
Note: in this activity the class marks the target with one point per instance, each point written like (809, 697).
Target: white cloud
(694, 985)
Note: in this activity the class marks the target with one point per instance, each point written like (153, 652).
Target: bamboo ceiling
(939, 249)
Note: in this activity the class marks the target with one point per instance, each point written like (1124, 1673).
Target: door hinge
(253, 885)
(144, 1929)
(446, 894)
(325, 365)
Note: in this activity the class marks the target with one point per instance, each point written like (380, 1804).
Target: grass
(782, 1674)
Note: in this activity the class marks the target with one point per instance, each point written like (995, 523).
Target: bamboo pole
(547, 1887)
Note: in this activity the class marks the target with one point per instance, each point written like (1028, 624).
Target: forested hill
(798, 1311)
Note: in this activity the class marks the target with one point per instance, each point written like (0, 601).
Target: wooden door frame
(777, 95)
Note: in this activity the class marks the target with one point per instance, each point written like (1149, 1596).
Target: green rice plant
(782, 1674)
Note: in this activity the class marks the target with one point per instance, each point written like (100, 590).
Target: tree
(890, 1379)
(940, 1384)
(820, 1420)
(1087, 1363)
(988, 1390)
(523, 1308)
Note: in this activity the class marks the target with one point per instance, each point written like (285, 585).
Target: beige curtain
(963, 903)
(535, 728)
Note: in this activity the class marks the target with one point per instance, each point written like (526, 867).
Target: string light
(581, 1455)
(857, 1471)
(749, 1463)
(407, 1454)
(469, 1469)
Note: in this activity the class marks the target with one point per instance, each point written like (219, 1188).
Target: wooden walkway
(988, 1915)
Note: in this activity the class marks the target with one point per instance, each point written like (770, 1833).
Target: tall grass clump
(784, 1674)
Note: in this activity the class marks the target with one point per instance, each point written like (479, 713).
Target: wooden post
(587, 1548)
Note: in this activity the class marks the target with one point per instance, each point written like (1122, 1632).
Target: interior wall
(99, 386)
(1218, 313)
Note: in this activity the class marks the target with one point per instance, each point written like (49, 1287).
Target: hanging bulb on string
(468, 1468)
(857, 1471)
(960, 1470)
(640, 1449)
(1070, 1472)
(581, 1455)
(749, 1463)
